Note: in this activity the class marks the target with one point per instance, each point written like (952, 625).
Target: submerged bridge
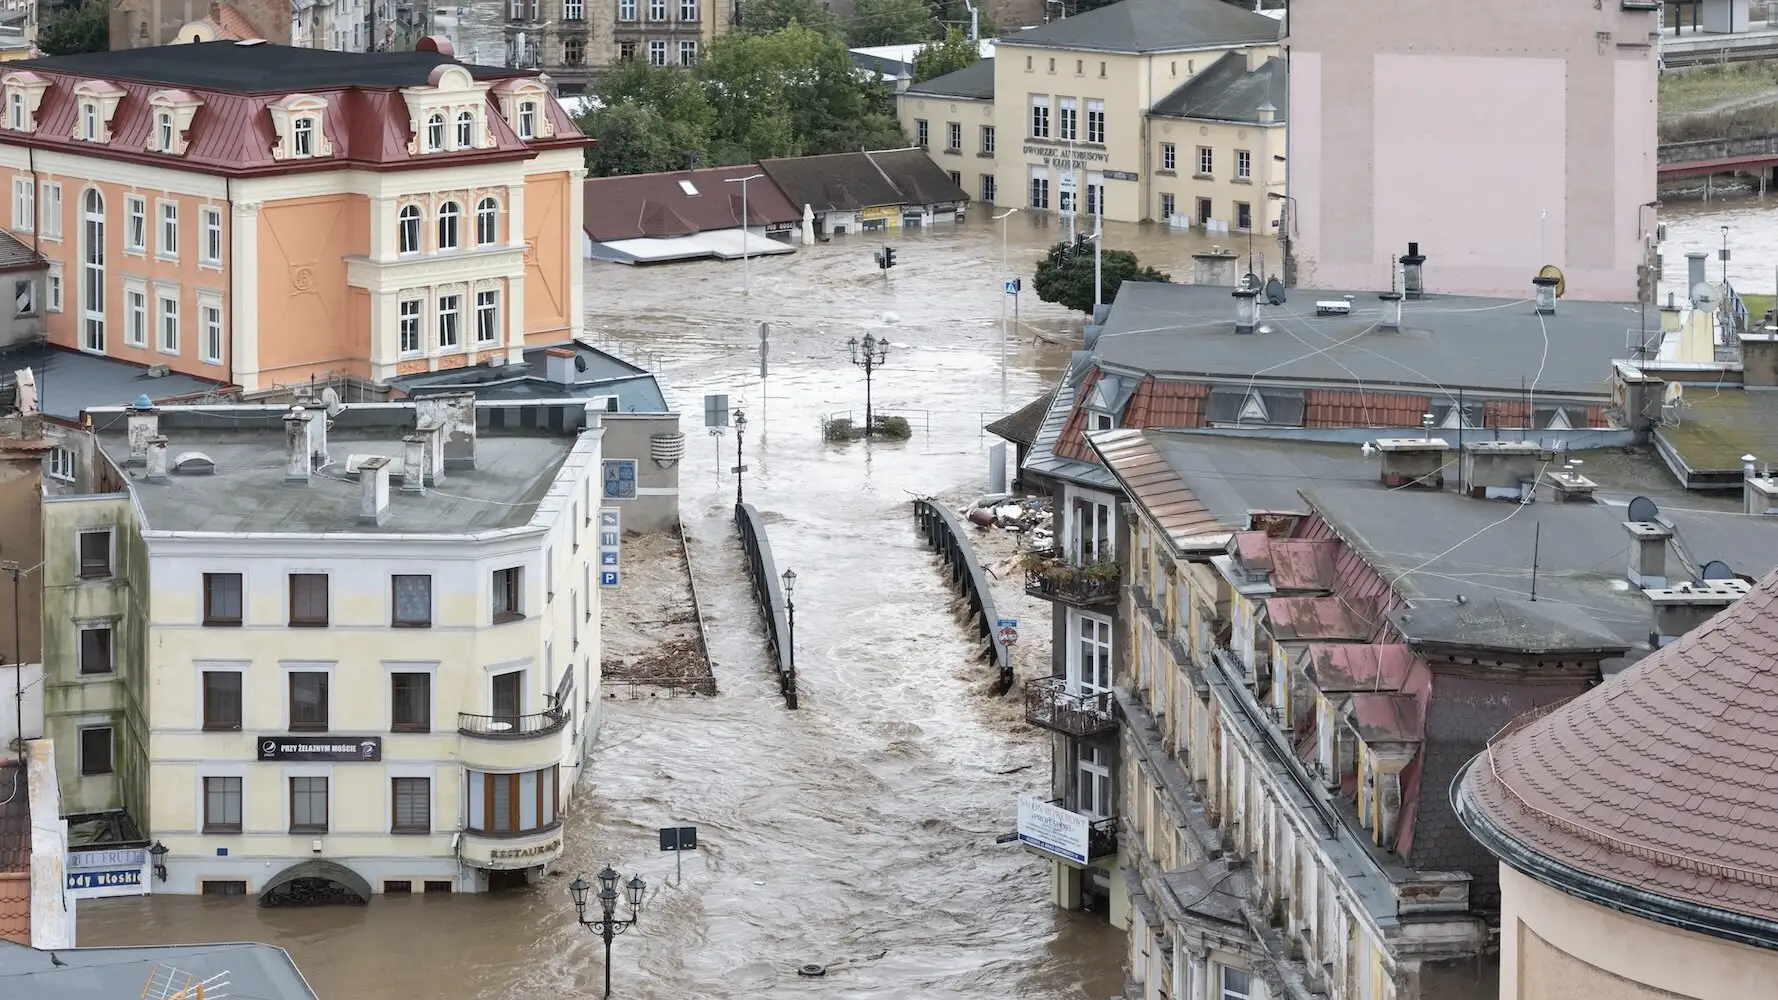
(1756, 154)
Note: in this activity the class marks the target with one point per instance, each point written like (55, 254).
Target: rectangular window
(1040, 117)
(1243, 164)
(222, 598)
(487, 316)
(1206, 160)
(1204, 211)
(1167, 207)
(1067, 120)
(921, 133)
(1235, 984)
(52, 211)
(954, 137)
(506, 694)
(1089, 526)
(223, 887)
(657, 10)
(95, 751)
(1243, 215)
(24, 204)
(1093, 774)
(1040, 187)
(688, 53)
(222, 811)
(397, 886)
(449, 309)
(95, 554)
(410, 326)
(61, 464)
(167, 308)
(412, 801)
(988, 191)
(55, 287)
(169, 234)
(987, 140)
(512, 803)
(410, 703)
(222, 700)
(210, 237)
(626, 50)
(95, 651)
(506, 597)
(688, 10)
(308, 700)
(308, 805)
(1169, 156)
(135, 224)
(573, 10)
(626, 10)
(308, 599)
(956, 177)
(411, 601)
(135, 323)
(657, 53)
(1096, 122)
(210, 346)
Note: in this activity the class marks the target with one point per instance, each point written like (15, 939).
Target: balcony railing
(1048, 704)
(1050, 574)
(1102, 838)
(511, 727)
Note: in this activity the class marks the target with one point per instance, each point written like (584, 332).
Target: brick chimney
(1246, 309)
(1678, 610)
(559, 367)
(413, 464)
(143, 422)
(456, 412)
(1759, 360)
(1391, 311)
(1502, 470)
(1759, 494)
(1543, 293)
(1215, 266)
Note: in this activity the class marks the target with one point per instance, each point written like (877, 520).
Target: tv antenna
(168, 983)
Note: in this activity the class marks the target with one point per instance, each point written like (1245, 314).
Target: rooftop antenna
(1536, 544)
(168, 983)
(975, 21)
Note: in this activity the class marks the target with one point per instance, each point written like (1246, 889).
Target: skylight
(689, 188)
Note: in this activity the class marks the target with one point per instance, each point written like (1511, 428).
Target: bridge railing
(947, 536)
(762, 570)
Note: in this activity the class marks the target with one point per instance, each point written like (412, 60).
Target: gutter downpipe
(228, 255)
(1288, 267)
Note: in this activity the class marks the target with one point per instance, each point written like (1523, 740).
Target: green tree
(1065, 275)
(890, 22)
(948, 55)
(83, 27)
(794, 92)
(762, 17)
(646, 119)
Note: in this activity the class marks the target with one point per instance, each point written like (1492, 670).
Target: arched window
(487, 222)
(92, 271)
(528, 120)
(410, 228)
(465, 130)
(435, 133)
(449, 215)
(163, 131)
(15, 109)
(302, 137)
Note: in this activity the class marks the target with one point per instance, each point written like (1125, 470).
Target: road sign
(610, 547)
(1009, 630)
(716, 410)
(765, 332)
(1012, 286)
(678, 839)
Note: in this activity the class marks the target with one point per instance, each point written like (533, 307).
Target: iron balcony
(1048, 704)
(511, 727)
(1051, 575)
(1102, 838)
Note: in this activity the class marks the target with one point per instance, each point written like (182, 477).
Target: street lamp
(608, 926)
(740, 432)
(159, 853)
(789, 578)
(746, 286)
(870, 356)
(1004, 292)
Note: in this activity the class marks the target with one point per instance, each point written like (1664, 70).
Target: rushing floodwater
(858, 832)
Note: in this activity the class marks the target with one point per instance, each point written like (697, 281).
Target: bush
(894, 428)
(840, 429)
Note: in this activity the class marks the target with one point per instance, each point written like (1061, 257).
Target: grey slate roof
(1021, 425)
(1153, 26)
(16, 255)
(260, 971)
(1447, 343)
(975, 82)
(1228, 91)
(637, 390)
(1043, 459)
(847, 182)
(69, 382)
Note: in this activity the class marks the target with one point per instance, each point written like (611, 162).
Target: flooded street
(858, 832)
(1697, 225)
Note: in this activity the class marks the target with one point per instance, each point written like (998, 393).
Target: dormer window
(15, 111)
(301, 123)
(1097, 421)
(24, 93)
(302, 137)
(172, 111)
(89, 121)
(522, 104)
(163, 131)
(465, 130)
(96, 101)
(435, 133)
(527, 119)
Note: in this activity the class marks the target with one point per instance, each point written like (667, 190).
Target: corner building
(259, 214)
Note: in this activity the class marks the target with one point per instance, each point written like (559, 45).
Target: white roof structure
(724, 244)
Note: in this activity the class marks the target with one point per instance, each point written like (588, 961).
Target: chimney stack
(456, 411)
(318, 437)
(558, 366)
(413, 464)
(298, 458)
(1216, 266)
(1391, 311)
(1502, 470)
(1680, 609)
(1648, 559)
(432, 434)
(1759, 494)
(1246, 309)
(1694, 270)
(144, 422)
(373, 486)
(1543, 292)
(157, 459)
(1759, 360)
(1416, 463)
(1413, 273)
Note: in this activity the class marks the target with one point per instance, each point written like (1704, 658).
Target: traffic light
(888, 257)
(878, 257)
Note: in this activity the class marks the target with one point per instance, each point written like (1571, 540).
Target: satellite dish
(331, 398)
(580, 362)
(1716, 569)
(1552, 271)
(1644, 509)
(1672, 394)
(1706, 296)
(1275, 292)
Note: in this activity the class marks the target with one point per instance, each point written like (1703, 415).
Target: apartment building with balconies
(372, 637)
(259, 214)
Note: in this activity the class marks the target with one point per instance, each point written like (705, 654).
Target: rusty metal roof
(1345, 667)
(1303, 564)
(1662, 780)
(1299, 618)
(682, 202)
(1156, 486)
(1387, 718)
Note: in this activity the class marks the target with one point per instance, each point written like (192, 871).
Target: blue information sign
(104, 879)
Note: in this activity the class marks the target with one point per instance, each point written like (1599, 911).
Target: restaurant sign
(97, 874)
(516, 853)
(321, 748)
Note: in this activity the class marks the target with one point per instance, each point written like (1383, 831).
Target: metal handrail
(762, 570)
(511, 727)
(945, 534)
(1049, 703)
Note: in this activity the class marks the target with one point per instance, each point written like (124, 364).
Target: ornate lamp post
(608, 925)
(740, 469)
(869, 355)
(789, 577)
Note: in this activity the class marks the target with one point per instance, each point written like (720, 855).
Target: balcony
(511, 727)
(1101, 838)
(1048, 704)
(1052, 575)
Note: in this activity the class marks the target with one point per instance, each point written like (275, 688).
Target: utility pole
(1009, 287)
(1099, 250)
(12, 569)
(869, 355)
(746, 284)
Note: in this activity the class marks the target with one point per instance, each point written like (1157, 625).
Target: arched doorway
(316, 883)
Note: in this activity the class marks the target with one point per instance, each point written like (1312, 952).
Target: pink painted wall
(1459, 127)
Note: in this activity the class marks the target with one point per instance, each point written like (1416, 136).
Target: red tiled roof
(15, 907)
(1662, 779)
(636, 205)
(1072, 442)
(1509, 414)
(1340, 408)
(1167, 405)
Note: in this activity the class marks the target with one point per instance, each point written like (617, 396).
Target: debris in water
(811, 970)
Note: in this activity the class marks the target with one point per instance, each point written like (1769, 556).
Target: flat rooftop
(1712, 428)
(231, 68)
(247, 493)
(1448, 342)
(592, 373)
(252, 971)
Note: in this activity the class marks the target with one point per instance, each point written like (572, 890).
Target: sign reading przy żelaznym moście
(328, 748)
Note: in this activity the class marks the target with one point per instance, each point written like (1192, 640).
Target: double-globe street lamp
(608, 925)
(869, 355)
(789, 578)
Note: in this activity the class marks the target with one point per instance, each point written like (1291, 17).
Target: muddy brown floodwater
(858, 832)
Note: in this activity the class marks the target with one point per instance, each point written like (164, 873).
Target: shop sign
(121, 878)
(515, 853)
(1120, 175)
(128, 857)
(881, 212)
(323, 748)
(1052, 829)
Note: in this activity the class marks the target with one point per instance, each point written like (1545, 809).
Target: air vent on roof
(247, 43)
(158, 371)
(194, 463)
(690, 189)
(355, 464)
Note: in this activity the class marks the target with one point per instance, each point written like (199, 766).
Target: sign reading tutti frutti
(328, 748)
(1052, 829)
